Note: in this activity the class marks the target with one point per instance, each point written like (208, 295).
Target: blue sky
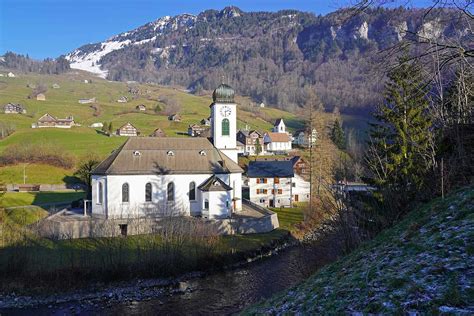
(49, 28)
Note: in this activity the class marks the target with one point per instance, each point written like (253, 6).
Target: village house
(303, 138)
(122, 99)
(56, 86)
(206, 122)
(162, 176)
(140, 107)
(174, 118)
(195, 130)
(40, 97)
(11, 75)
(127, 129)
(86, 101)
(273, 183)
(48, 120)
(13, 108)
(252, 141)
(158, 133)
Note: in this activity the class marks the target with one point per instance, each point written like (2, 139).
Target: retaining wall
(60, 226)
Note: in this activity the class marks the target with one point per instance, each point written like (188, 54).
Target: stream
(219, 293)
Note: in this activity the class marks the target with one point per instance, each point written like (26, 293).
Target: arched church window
(170, 191)
(225, 127)
(192, 191)
(148, 192)
(125, 193)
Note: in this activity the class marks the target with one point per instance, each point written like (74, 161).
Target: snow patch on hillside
(91, 62)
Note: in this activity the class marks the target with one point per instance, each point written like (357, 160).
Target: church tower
(224, 121)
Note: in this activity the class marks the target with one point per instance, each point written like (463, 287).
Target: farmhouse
(122, 99)
(160, 176)
(174, 118)
(274, 183)
(206, 122)
(127, 129)
(195, 130)
(252, 142)
(56, 86)
(12, 108)
(303, 137)
(49, 120)
(140, 107)
(40, 97)
(11, 75)
(158, 133)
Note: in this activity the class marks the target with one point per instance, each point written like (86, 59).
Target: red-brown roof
(279, 137)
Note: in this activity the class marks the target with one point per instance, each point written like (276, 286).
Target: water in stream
(216, 294)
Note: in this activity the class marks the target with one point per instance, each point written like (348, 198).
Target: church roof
(223, 94)
(278, 121)
(278, 137)
(214, 184)
(167, 155)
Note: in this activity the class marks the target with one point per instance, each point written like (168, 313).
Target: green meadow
(82, 141)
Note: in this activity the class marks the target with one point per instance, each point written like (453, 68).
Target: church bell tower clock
(224, 121)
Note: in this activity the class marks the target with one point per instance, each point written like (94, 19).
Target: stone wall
(62, 226)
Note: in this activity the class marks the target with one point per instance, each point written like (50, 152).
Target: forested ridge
(271, 55)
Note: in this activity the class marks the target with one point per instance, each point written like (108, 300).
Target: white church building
(167, 176)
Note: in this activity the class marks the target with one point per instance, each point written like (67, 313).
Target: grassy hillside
(83, 141)
(64, 101)
(423, 264)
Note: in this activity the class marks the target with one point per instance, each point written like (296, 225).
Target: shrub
(34, 153)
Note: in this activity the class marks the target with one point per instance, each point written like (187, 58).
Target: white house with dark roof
(274, 183)
(156, 177)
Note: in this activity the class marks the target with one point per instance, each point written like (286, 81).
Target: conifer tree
(337, 135)
(258, 147)
(400, 152)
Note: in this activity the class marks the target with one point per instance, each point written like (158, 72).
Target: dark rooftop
(270, 169)
(214, 184)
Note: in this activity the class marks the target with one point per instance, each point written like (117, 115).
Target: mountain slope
(424, 264)
(266, 55)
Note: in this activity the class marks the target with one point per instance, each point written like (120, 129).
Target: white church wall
(99, 209)
(113, 207)
(220, 203)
